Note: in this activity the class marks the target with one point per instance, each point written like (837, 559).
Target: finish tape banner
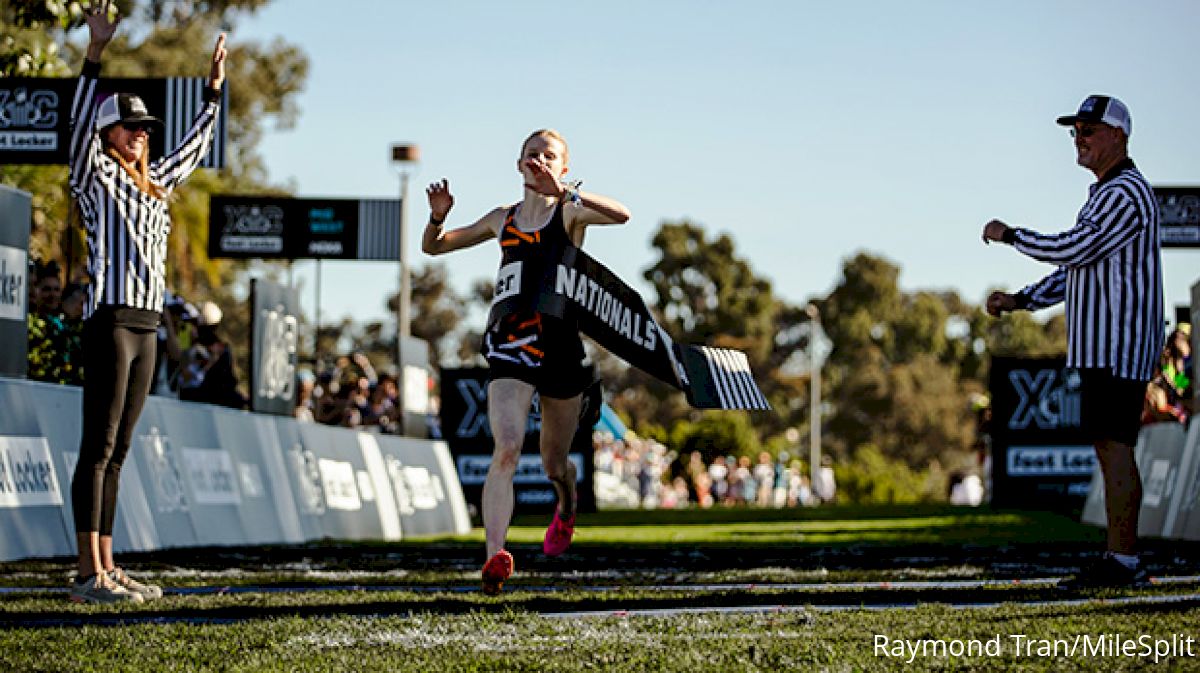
(580, 289)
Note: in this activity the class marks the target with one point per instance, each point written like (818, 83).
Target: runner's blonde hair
(548, 133)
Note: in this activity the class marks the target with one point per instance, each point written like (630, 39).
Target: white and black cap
(1103, 109)
(124, 107)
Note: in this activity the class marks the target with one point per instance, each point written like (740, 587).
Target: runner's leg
(560, 421)
(508, 414)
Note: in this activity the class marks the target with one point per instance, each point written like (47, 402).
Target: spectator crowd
(350, 394)
(193, 361)
(1170, 397)
(641, 472)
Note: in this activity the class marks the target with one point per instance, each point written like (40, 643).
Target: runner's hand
(544, 182)
(440, 199)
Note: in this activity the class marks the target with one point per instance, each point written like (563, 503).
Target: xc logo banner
(1040, 455)
(1046, 398)
(35, 115)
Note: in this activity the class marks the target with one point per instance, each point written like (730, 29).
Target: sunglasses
(1084, 131)
(133, 127)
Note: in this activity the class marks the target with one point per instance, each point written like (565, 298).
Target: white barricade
(1183, 517)
(1163, 464)
(203, 475)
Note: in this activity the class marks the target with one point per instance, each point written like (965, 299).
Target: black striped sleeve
(1108, 222)
(85, 143)
(179, 163)
(1044, 293)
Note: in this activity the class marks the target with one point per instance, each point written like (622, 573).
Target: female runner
(526, 350)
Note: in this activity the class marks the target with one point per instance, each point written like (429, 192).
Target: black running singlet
(517, 333)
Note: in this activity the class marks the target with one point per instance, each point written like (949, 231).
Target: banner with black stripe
(283, 227)
(35, 115)
(615, 316)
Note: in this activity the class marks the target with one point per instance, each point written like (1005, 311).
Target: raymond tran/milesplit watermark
(1115, 645)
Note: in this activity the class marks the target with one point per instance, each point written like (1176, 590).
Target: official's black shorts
(1110, 407)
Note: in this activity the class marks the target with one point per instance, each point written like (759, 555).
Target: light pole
(814, 377)
(404, 157)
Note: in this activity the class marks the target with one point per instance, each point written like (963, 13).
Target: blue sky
(807, 131)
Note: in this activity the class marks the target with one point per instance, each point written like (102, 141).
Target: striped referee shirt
(1110, 275)
(126, 228)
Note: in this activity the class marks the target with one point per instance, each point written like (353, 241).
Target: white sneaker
(100, 590)
(148, 592)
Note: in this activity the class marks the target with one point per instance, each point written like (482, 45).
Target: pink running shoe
(558, 535)
(497, 569)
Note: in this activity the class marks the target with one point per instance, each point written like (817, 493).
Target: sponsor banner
(1047, 461)
(307, 474)
(340, 485)
(416, 488)
(473, 469)
(14, 264)
(416, 381)
(1164, 469)
(422, 479)
(465, 428)
(426, 489)
(35, 115)
(537, 497)
(1179, 216)
(275, 330)
(251, 480)
(1167, 466)
(1183, 514)
(199, 475)
(211, 475)
(15, 221)
(277, 227)
(1040, 456)
(27, 476)
(366, 488)
(166, 484)
(1157, 483)
(373, 487)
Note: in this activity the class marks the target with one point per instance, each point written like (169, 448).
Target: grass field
(724, 590)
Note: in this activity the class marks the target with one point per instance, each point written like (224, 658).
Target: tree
(718, 433)
(437, 309)
(905, 364)
(704, 294)
(707, 294)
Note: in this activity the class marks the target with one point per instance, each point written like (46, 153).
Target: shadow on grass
(1015, 597)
